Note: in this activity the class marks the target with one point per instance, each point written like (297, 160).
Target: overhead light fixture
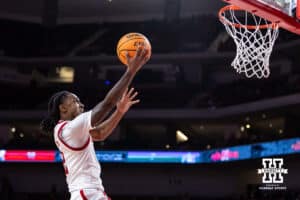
(13, 129)
(66, 74)
(248, 126)
(181, 137)
(242, 128)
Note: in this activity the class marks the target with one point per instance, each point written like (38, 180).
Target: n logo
(272, 170)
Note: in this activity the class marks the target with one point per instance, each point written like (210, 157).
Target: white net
(254, 38)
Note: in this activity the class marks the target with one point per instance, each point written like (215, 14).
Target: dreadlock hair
(53, 116)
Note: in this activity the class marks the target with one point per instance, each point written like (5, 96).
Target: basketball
(130, 43)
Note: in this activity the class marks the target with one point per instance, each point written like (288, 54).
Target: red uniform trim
(83, 195)
(108, 198)
(60, 121)
(59, 133)
(85, 198)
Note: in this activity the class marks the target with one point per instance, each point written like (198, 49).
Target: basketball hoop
(254, 38)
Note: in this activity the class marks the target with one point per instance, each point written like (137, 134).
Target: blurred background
(192, 101)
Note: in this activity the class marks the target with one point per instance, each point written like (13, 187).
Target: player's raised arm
(104, 129)
(134, 64)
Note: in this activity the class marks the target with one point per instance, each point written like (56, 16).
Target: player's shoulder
(60, 124)
(82, 117)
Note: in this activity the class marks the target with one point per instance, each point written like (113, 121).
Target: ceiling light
(13, 129)
(66, 74)
(242, 128)
(181, 137)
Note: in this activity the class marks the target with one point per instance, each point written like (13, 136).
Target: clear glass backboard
(286, 6)
(285, 13)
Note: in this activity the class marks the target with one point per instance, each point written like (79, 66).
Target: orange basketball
(129, 43)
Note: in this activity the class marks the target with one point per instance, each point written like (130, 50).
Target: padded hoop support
(269, 13)
(298, 10)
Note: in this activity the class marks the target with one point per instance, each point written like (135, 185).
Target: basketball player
(75, 130)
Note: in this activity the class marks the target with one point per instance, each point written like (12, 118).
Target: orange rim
(224, 20)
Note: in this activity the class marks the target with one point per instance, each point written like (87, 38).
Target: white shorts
(89, 194)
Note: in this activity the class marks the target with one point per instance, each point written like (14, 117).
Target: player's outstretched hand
(127, 100)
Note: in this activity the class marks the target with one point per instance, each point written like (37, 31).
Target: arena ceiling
(92, 11)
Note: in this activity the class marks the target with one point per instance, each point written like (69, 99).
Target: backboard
(284, 12)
